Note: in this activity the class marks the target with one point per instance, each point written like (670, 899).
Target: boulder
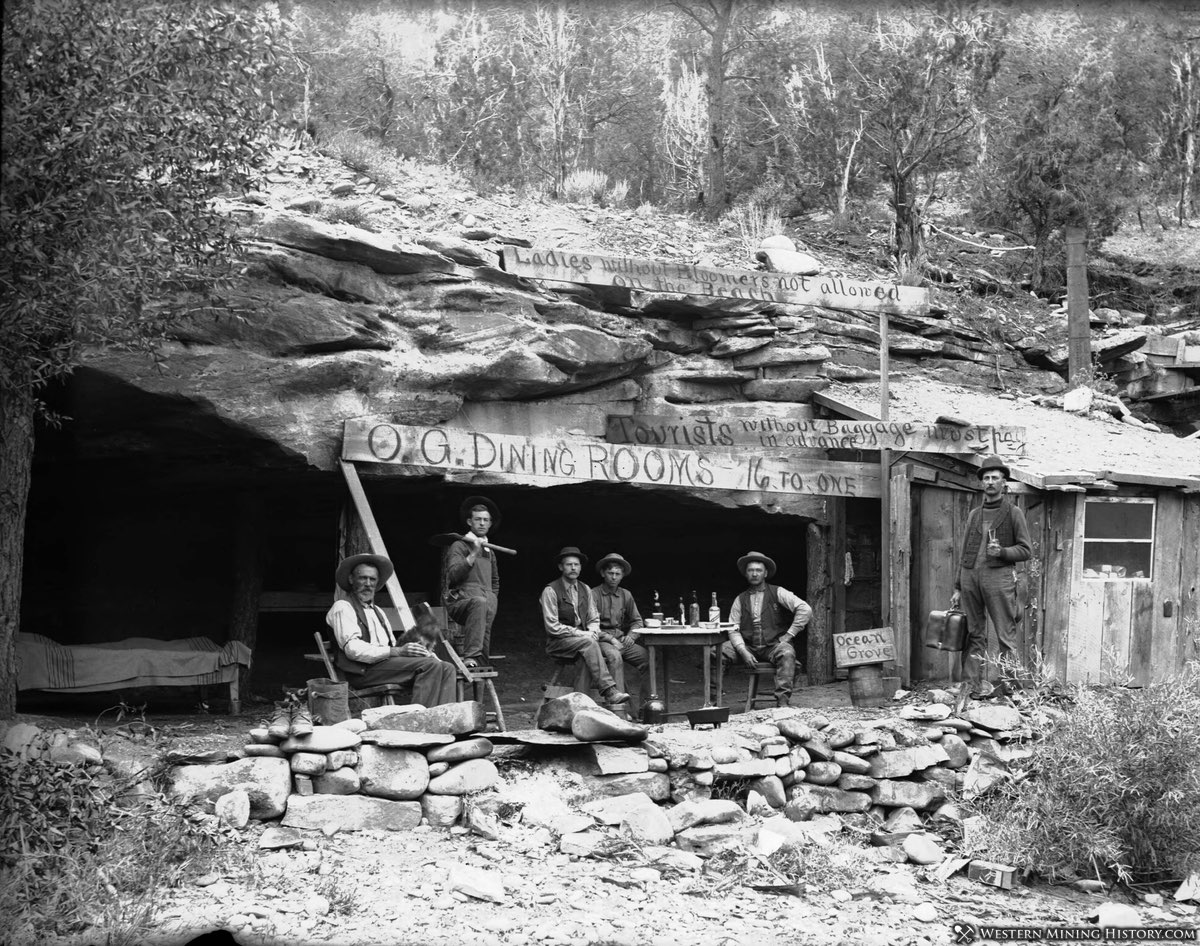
(654, 784)
(372, 714)
(233, 809)
(343, 781)
(672, 858)
(724, 755)
(343, 758)
(997, 717)
(613, 810)
(788, 261)
(555, 715)
(476, 882)
(903, 819)
(709, 839)
(957, 753)
(825, 798)
(855, 783)
(399, 739)
(771, 789)
(585, 843)
(838, 737)
(351, 813)
(438, 768)
(263, 751)
(894, 763)
(461, 751)
(267, 782)
(898, 794)
(647, 826)
(465, 778)
(308, 763)
(755, 768)
(397, 774)
(454, 718)
(823, 773)
(441, 811)
(322, 739)
(818, 749)
(595, 759)
(600, 724)
(688, 814)
(853, 764)
(796, 729)
(923, 849)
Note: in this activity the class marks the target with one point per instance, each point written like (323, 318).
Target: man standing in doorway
(766, 620)
(621, 621)
(367, 650)
(997, 537)
(573, 626)
(472, 579)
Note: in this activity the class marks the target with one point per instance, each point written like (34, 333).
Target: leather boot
(280, 726)
(302, 721)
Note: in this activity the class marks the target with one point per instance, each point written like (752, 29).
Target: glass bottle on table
(657, 612)
(694, 611)
(682, 612)
(714, 610)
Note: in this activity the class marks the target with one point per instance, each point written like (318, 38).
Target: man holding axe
(472, 580)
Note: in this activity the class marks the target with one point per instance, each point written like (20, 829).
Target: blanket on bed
(44, 664)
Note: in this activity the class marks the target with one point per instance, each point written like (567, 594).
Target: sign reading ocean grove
(833, 292)
(535, 459)
(872, 646)
(776, 430)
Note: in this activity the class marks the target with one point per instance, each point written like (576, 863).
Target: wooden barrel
(866, 685)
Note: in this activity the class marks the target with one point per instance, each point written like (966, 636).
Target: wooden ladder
(375, 538)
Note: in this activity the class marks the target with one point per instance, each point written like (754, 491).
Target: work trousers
(603, 661)
(432, 679)
(988, 592)
(781, 655)
(475, 615)
(635, 655)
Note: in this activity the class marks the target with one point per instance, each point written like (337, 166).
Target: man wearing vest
(620, 619)
(367, 651)
(473, 580)
(766, 620)
(997, 537)
(573, 626)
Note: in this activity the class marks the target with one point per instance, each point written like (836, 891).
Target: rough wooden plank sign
(596, 269)
(539, 460)
(775, 429)
(872, 646)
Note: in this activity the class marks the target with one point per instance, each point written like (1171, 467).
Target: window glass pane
(1133, 557)
(1118, 520)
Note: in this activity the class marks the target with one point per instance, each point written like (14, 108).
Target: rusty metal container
(946, 630)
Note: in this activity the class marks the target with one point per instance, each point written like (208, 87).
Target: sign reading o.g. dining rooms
(597, 269)
(538, 459)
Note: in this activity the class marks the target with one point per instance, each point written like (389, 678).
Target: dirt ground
(367, 888)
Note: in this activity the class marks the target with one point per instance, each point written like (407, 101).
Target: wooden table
(655, 639)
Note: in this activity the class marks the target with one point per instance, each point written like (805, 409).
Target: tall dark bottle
(694, 611)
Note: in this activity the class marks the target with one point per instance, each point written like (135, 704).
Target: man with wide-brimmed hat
(472, 591)
(367, 650)
(573, 626)
(766, 619)
(620, 620)
(985, 585)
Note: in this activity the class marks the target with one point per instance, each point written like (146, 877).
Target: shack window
(1118, 538)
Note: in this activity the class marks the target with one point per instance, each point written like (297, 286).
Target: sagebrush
(1111, 792)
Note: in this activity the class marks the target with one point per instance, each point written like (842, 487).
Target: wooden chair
(386, 693)
(483, 688)
(760, 669)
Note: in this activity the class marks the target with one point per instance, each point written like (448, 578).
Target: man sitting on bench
(367, 651)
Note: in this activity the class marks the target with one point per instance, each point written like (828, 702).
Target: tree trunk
(714, 158)
(910, 248)
(247, 578)
(16, 468)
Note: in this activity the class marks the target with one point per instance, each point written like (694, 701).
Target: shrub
(617, 194)
(585, 186)
(364, 156)
(1111, 792)
(72, 858)
(755, 220)
(351, 212)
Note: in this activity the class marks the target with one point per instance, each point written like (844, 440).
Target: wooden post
(901, 567)
(247, 578)
(1079, 344)
(885, 463)
(819, 659)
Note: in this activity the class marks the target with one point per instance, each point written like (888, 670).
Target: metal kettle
(654, 712)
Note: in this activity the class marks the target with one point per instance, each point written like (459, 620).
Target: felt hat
(350, 562)
(995, 463)
(613, 558)
(571, 550)
(756, 557)
(464, 511)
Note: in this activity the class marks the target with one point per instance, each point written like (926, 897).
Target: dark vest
(1002, 522)
(364, 632)
(566, 611)
(775, 618)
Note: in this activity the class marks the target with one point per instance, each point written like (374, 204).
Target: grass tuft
(585, 186)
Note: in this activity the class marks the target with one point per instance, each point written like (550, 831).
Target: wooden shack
(1112, 591)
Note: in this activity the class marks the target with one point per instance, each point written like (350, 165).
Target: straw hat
(756, 557)
(346, 568)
